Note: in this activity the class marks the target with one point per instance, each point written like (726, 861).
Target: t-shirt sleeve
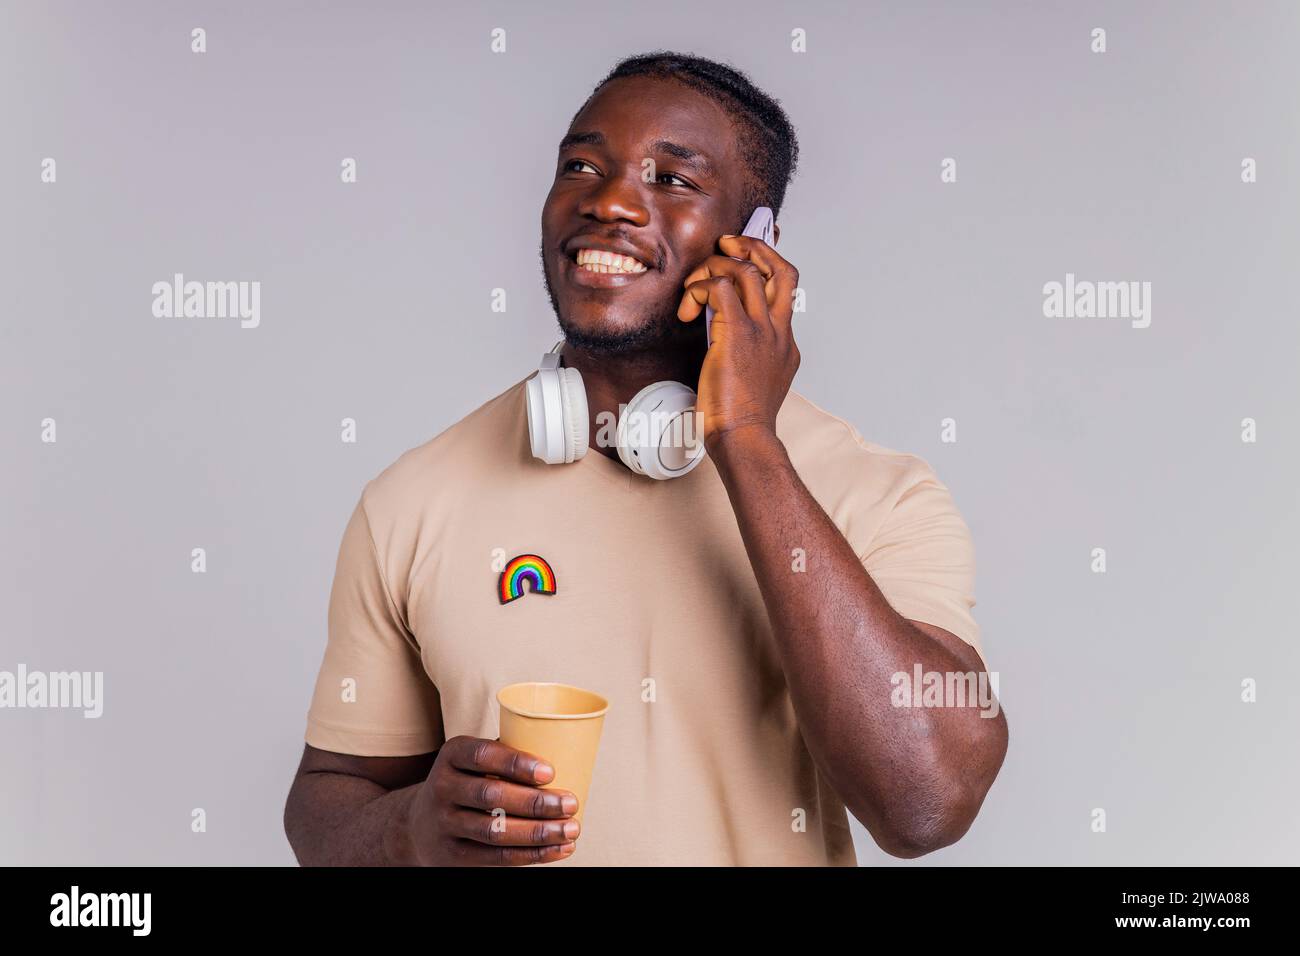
(923, 559)
(373, 697)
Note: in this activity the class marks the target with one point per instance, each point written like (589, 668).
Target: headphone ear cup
(577, 423)
(545, 404)
(654, 435)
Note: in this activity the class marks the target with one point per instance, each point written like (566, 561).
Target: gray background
(924, 302)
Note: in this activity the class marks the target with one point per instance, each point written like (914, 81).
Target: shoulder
(832, 457)
(874, 494)
(482, 443)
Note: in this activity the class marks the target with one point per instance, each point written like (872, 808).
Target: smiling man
(746, 619)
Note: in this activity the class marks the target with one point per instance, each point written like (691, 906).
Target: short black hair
(766, 136)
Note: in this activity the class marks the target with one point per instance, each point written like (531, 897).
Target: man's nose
(618, 196)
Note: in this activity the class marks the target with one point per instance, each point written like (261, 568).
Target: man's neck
(612, 380)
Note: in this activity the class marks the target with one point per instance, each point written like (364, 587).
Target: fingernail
(729, 236)
(543, 772)
(568, 848)
(569, 805)
(571, 830)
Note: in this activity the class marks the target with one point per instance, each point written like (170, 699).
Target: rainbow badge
(527, 567)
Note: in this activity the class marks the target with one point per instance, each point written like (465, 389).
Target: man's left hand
(753, 358)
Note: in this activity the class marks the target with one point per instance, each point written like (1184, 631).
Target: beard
(660, 329)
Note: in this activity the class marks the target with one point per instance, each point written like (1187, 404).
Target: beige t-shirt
(656, 608)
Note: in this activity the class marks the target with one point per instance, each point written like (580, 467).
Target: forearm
(913, 776)
(335, 819)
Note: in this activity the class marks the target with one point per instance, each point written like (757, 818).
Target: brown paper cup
(559, 723)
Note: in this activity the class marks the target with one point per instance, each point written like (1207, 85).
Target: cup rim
(550, 683)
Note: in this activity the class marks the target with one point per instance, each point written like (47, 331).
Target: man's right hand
(451, 820)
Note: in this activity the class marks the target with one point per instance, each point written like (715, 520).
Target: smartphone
(759, 227)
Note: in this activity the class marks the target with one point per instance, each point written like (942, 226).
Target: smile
(598, 269)
(594, 260)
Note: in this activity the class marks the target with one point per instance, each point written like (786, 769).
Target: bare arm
(353, 811)
(915, 777)
(434, 809)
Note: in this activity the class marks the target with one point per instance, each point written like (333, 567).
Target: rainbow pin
(527, 567)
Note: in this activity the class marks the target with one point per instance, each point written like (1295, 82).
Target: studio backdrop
(1047, 247)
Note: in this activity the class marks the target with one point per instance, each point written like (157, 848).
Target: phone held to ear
(655, 435)
(759, 227)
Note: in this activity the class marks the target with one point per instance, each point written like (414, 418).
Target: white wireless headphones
(653, 434)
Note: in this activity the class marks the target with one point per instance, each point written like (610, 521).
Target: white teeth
(597, 260)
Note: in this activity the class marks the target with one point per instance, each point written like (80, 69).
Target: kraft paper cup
(559, 723)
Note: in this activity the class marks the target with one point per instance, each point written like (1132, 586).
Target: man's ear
(776, 233)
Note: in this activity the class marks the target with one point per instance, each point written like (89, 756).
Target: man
(746, 621)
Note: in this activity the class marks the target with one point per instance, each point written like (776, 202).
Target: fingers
(734, 290)
(718, 292)
(779, 276)
(518, 800)
(471, 853)
(485, 804)
(504, 830)
(744, 277)
(478, 755)
(523, 825)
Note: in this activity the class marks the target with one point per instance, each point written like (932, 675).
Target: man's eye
(571, 166)
(680, 181)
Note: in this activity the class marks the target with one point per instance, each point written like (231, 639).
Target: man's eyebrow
(582, 139)
(687, 155)
(691, 157)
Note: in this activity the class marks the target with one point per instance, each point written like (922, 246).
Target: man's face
(601, 203)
